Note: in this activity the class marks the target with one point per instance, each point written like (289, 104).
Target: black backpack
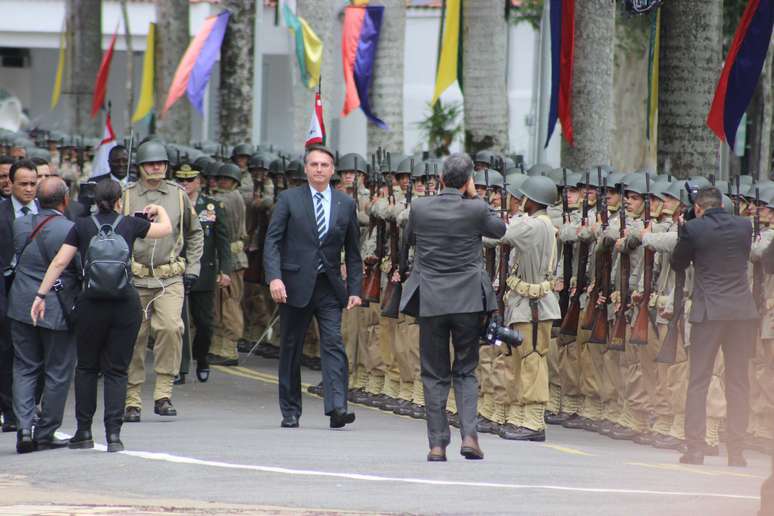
(107, 269)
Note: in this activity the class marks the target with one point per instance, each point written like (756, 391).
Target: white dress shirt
(17, 207)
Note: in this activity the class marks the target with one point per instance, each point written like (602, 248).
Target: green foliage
(441, 126)
(732, 13)
(530, 11)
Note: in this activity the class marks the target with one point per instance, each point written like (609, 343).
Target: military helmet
(352, 161)
(276, 167)
(151, 151)
(614, 178)
(722, 186)
(539, 169)
(404, 167)
(676, 189)
(593, 178)
(699, 182)
(495, 178)
(539, 189)
(186, 171)
(508, 163)
(638, 185)
(658, 189)
(231, 171)
(420, 167)
(259, 160)
(295, 170)
(202, 162)
(662, 178)
(243, 149)
(485, 156)
(514, 184)
(728, 204)
(627, 179)
(434, 167)
(212, 168)
(764, 190)
(746, 180)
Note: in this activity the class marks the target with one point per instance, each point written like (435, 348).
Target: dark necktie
(25, 210)
(320, 216)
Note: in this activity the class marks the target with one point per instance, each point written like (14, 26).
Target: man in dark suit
(723, 315)
(452, 291)
(309, 227)
(24, 177)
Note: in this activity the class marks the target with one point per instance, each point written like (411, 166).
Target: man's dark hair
(52, 192)
(22, 163)
(456, 170)
(709, 197)
(7, 160)
(106, 193)
(39, 161)
(117, 148)
(319, 148)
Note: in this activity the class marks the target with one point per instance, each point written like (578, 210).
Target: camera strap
(533, 306)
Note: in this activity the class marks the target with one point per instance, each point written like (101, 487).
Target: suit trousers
(294, 321)
(438, 372)
(35, 350)
(737, 339)
(6, 371)
(105, 345)
(201, 307)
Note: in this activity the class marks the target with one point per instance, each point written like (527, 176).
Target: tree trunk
(760, 113)
(387, 86)
(129, 67)
(690, 66)
(321, 17)
(172, 38)
(236, 73)
(592, 86)
(84, 53)
(484, 58)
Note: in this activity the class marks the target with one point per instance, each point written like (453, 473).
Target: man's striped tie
(322, 228)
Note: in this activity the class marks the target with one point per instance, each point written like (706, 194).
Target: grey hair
(457, 170)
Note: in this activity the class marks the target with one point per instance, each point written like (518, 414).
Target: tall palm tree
(592, 86)
(172, 38)
(236, 73)
(484, 38)
(689, 68)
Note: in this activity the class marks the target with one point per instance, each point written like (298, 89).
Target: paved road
(225, 454)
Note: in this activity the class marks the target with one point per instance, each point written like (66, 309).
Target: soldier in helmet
(240, 156)
(162, 270)
(215, 265)
(484, 159)
(229, 317)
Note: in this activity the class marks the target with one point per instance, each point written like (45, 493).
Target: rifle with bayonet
(564, 295)
(587, 323)
(569, 325)
(490, 253)
(393, 290)
(599, 327)
(505, 253)
(757, 284)
(676, 327)
(372, 279)
(639, 335)
(618, 338)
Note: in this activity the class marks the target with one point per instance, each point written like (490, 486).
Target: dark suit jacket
(718, 244)
(292, 249)
(6, 233)
(448, 273)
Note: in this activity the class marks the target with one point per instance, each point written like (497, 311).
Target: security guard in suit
(215, 262)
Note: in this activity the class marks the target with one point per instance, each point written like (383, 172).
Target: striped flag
(57, 91)
(562, 16)
(100, 88)
(316, 134)
(145, 104)
(450, 62)
(309, 47)
(100, 165)
(742, 69)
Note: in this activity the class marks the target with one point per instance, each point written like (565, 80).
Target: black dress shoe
(339, 418)
(51, 443)
(417, 411)
(244, 346)
(435, 456)
(520, 433)
(736, 459)
(9, 426)
(114, 443)
(644, 438)
(164, 407)
(317, 390)
(667, 442)
(695, 457)
(471, 452)
(556, 419)
(379, 401)
(485, 426)
(403, 408)
(289, 422)
(623, 434)
(454, 419)
(574, 422)
(132, 415)
(202, 373)
(358, 396)
(222, 361)
(605, 427)
(391, 405)
(82, 440)
(179, 379)
(24, 442)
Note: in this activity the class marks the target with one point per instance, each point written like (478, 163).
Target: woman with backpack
(108, 312)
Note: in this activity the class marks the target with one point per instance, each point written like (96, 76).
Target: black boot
(81, 440)
(24, 442)
(114, 443)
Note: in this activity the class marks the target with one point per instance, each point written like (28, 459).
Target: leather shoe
(391, 405)
(289, 422)
(82, 440)
(454, 419)
(470, 449)
(623, 434)
(417, 412)
(358, 396)
(202, 374)
(9, 426)
(317, 390)
(519, 433)
(736, 459)
(403, 408)
(179, 379)
(114, 443)
(694, 457)
(644, 438)
(50, 443)
(222, 361)
(552, 418)
(24, 442)
(163, 407)
(436, 455)
(132, 415)
(575, 422)
(667, 442)
(485, 426)
(339, 418)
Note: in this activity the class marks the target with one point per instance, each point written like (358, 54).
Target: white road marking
(177, 459)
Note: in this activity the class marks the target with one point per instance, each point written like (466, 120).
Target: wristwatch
(41, 296)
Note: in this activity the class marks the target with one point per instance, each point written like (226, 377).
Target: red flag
(102, 77)
(316, 134)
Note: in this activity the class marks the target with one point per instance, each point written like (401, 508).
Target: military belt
(529, 290)
(164, 271)
(237, 247)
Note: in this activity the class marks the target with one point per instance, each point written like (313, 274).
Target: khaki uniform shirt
(157, 262)
(234, 206)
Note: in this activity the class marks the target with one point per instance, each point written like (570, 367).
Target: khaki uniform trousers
(570, 374)
(484, 374)
(407, 355)
(387, 347)
(369, 349)
(554, 378)
(257, 306)
(229, 318)
(762, 390)
(590, 358)
(529, 370)
(165, 325)
(350, 328)
(661, 402)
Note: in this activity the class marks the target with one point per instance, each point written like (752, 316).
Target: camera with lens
(693, 192)
(495, 334)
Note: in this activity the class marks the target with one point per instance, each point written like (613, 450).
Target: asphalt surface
(225, 454)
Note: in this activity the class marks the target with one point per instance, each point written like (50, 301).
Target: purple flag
(364, 60)
(200, 73)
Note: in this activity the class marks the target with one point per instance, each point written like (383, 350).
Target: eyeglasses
(186, 179)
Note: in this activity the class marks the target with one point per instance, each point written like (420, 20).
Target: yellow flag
(57, 91)
(145, 104)
(447, 65)
(313, 50)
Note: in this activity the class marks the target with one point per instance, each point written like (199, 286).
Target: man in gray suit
(50, 346)
(449, 290)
